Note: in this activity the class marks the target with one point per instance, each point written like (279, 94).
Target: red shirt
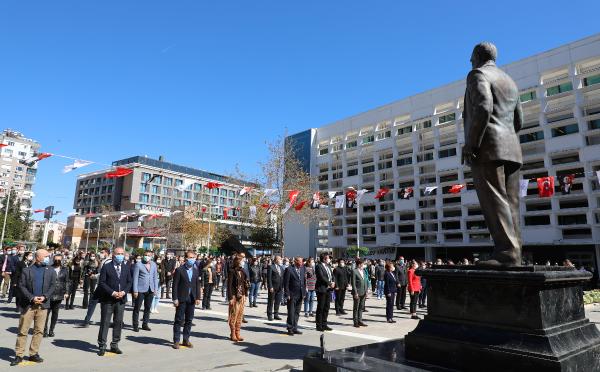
(414, 281)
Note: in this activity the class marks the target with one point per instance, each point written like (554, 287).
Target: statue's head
(482, 53)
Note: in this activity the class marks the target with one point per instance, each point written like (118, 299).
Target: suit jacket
(26, 286)
(294, 285)
(205, 276)
(341, 277)
(401, 276)
(62, 283)
(144, 279)
(274, 280)
(110, 282)
(11, 263)
(183, 287)
(323, 283)
(359, 284)
(390, 284)
(492, 115)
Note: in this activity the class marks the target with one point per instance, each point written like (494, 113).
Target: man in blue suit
(294, 287)
(186, 295)
(145, 284)
(113, 285)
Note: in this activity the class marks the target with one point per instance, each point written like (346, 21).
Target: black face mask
(57, 263)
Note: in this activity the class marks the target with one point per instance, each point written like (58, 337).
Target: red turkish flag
(265, 206)
(38, 210)
(293, 196)
(213, 185)
(455, 189)
(119, 172)
(545, 186)
(382, 192)
(44, 155)
(300, 205)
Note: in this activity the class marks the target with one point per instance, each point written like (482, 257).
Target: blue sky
(206, 83)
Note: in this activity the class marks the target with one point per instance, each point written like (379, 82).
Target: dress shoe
(51, 334)
(176, 345)
(116, 350)
(187, 344)
(36, 358)
(85, 324)
(146, 328)
(101, 351)
(365, 311)
(270, 319)
(344, 312)
(297, 332)
(45, 334)
(290, 333)
(16, 361)
(327, 328)
(319, 329)
(356, 325)
(337, 313)
(245, 321)
(276, 317)
(391, 321)
(136, 329)
(415, 317)
(362, 324)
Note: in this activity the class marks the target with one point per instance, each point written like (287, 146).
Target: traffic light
(49, 212)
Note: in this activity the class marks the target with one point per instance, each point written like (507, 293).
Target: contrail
(167, 48)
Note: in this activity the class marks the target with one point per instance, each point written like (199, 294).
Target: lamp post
(87, 235)
(98, 232)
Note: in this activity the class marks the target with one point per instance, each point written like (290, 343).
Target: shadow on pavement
(6, 354)
(277, 350)
(261, 330)
(208, 335)
(148, 340)
(76, 345)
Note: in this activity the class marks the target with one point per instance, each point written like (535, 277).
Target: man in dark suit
(114, 284)
(275, 285)
(294, 284)
(342, 279)
(492, 118)
(325, 284)
(359, 293)
(401, 282)
(186, 295)
(36, 285)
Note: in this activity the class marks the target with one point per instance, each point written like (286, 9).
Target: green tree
(17, 221)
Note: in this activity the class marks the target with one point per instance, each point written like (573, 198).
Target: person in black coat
(342, 278)
(325, 284)
(402, 282)
(22, 265)
(294, 284)
(60, 293)
(390, 288)
(275, 285)
(114, 283)
(186, 294)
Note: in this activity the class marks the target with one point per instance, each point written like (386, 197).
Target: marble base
(517, 319)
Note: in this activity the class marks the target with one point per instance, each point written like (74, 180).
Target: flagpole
(358, 228)
(125, 240)
(5, 217)
(98, 233)
(87, 235)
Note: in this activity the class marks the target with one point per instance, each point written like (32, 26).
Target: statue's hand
(467, 155)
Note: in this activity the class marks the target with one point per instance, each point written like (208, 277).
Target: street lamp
(87, 235)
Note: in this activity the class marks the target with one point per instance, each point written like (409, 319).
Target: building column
(429, 254)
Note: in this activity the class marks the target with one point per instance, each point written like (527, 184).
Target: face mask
(30, 258)
(126, 258)
(92, 258)
(169, 257)
(147, 258)
(57, 263)
(46, 261)
(191, 261)
(102, 256)
(13, 252)
(158, 261)
(119, 258)
(342, 264)
(312, 264)
(138, 260)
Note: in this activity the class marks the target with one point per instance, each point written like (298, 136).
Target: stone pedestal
(528, 318)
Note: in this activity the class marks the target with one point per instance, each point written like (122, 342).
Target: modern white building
(416, 141)
(14, 173)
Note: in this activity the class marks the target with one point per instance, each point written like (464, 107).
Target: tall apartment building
(416, 141)
(152, 189)
(14, 174)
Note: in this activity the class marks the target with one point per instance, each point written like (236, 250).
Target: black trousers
(401, 297)
(146, 298)
(72, 291)
(184, 314)
(357, 308)
(323, 304)
(423, 296)
(52, 314)
(340, 296)
(89, 286)
(274, 300)
(115, 311)
(373, 284)
(389, 306)
(413, 302)
(293, 312)
(208, 288)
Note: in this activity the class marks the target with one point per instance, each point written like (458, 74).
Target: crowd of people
(40, 281)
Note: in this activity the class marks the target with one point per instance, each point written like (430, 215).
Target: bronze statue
(492, 118)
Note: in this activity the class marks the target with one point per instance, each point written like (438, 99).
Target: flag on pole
(213, 185)
(30, 161)
(204, 207)
(293, 195)
(316, 200)
(430, 189)
(270, 209)
(339, 201)
(3, 145)
(381, 193)
(523, 185)
(38, 210)
(225, 213)
(331, 194)
(252, 212)
(269, 192)
(545, 186)
(407, 193)
(245, 190)
(123, 217)
(566, 183)
(351, 198)
(186, 183)
(300, 205)
(76, 165)
(119, 172)
(455, 189)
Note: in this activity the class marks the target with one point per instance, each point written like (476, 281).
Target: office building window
(146, 176)
(447, 153)
(369, 169)
(352, 172)
(563, 131)
(530, 137)
(404, 130)
(529, 96)
(591, 80)
(324, 151)
(446, 118)
(168, 181)
(144, 198)
(143, 187)
(351, 144)
(368, 139)
(561, 88)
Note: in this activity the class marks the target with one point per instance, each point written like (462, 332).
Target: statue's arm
(518, 116)
(482, 105)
